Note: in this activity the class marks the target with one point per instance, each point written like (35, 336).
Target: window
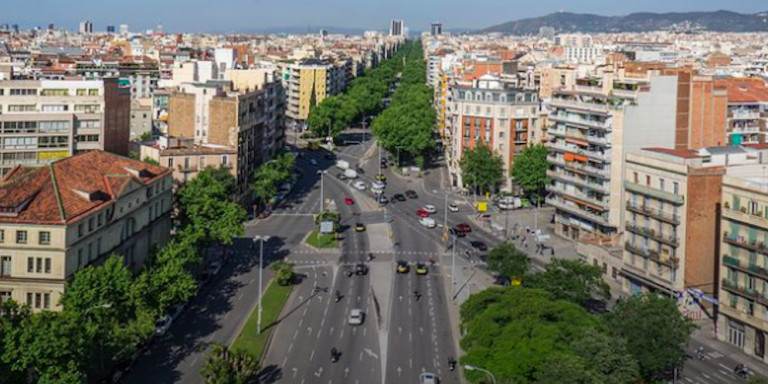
(89, 124)
(2, 236)
(80, 230)
(53, 142)
(30, 264)
(55, 108)
(170, 162)
(87, 108)
(47, 265)
(4, 295)
(46, 300)
(20, 142)
(22, 108)
(676, 187)
(54, 126)
(224, 160)
(21, 237)
(79, 257)
(661, 184)
(39, 265)
(100, 219)
(90, 251)
(20, 127)
(54, 92)
(614, 272)
(90, 224)
(23, 92)
(44, 238)
(98, 247)
(5, 266)
(648, 181)
(634, 177)
(93, 92)
(88, 138)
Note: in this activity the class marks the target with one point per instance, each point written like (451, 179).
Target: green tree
(593, 358)
(572, 280)
(508, 261)
(656, 332)
(150, 161)
(267, 179)
(284, 273)
(229, 367)
(481, 167)
(327, 215)
(168, 280)
(206, 211)
(757, 380)
(530, 171)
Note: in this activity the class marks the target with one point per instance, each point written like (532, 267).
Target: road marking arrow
(319, 372)
(370, 353)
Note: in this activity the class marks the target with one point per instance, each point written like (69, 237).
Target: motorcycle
(334, 355)
(741, 370)
(338, 296)
(451, 364)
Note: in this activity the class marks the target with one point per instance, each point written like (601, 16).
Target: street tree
(207, 212)
(508, 261)
(284, 273)
(481, 167)
(572, 280)
(268, 178)
(530, 171)
(225, 366)
(655, 330)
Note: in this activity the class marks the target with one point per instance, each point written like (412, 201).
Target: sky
(239, 15)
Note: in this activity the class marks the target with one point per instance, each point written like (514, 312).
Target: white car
(430, 208)
(427, 222)
(356, 317)
(162, 325)
(214, 267)
(453, 207)
(428, 378)
(359, 185)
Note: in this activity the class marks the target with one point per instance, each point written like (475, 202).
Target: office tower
(436, 29)
(396, 28)
(86, 27)
(110, 28)
(123, 29)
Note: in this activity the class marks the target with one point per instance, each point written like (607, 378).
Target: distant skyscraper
(323, 32)
(15, 28)
(437, 29)
(110, 28)
(123, 29)
(86, 27)
(396, 28)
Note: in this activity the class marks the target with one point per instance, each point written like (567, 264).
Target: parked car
(383, 199)
(422, 213)
(411, 194)
(163, 324)
(359, 227)
(479, 245)
(214, 267)
(464, 227)
(453, 207)
(427, 222)
(349, 201)
(176, 311)
(341, 176)
(399, 197)
(356, 317)
(359, 185)
(428, 378)
(430, 208)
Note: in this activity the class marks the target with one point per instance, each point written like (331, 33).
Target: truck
(342, 164)
(350, 173)
(509, 202)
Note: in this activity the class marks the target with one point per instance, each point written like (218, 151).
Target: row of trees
(362, 98)
(540, 332)
(482, 168)
(408, 124)
(108, 311)
(268, 178)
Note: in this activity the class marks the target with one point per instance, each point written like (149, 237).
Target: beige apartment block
(186, 159)
(58, 219)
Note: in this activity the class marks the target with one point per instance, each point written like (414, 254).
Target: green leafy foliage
(229, 367)
(481, 167)
(656, 332)
(283, 273)
(572, 280)
(268, 178)
(508, 261)
(206, 211)
(150, 161)
(530, 171)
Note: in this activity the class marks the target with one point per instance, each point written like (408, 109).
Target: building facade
(186, 159)
(58, 219)
(309, 82)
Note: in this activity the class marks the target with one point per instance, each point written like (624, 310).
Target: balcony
(755, 219)
(602, 109)
(580, 167)
(187, 168)
(585, 123)
(655, 193)
(625, 93)
(581, 196)
(670, 261)
(651, 233)
(752, 269)
(749, 293)
(743, 115)
(604, 156)
(576, 211)
(740, 241)
(590, 139)
(654, 213)
(575, 180)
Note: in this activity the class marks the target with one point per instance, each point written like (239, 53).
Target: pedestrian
(552, 251)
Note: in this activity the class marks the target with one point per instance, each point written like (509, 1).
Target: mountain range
(716, 21)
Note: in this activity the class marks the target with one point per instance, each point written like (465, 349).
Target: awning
(579, 201)
(576, 141)
(574, 157)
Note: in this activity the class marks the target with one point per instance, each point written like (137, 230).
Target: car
(479, 245)
(427, 222)
(411, 194)
(341, 176)
(214, 267)
(457, 233)
(381, 177)
(453, 207)
(384, 166)
(430, 208)
(163, 324)
(359, 227)
(464, 227)
(378, 186)
(349, 201)
(313, 161)
(421, 269)
(402, 266)
(383, 199)
(398, 197)
(428, 378)
(356, 317)
(361, 269)
(359, 185)
(422, 213)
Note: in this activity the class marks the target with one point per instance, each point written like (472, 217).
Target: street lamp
(261, 240)
(322, 196)
(473, 368)
(99, 306)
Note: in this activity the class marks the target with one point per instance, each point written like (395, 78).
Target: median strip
(249, 340)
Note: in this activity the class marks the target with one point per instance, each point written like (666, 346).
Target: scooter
(451, 364)
(334, 355)
(338, 296)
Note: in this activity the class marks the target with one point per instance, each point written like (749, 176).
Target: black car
(398, 197)
(479, 245)
(361, 269)
(384, 165)
(411, 194)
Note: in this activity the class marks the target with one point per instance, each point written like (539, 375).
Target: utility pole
(322, 196)
(453, 265)
(379, 146)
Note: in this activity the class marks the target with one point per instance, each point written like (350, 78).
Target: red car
(422, 213)
(464, 227)
(348, 201)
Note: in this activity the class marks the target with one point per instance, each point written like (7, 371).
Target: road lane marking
(312, 355)
(296, 333)
(361, 357)
(410, 363)
(300, 322)
(342, 334)
(240, 297)
(319, 331)
(309, 331)
(285, 360)
(295, 370)
(322, 323)
(319, 371)
(290, 347)
(331, 331)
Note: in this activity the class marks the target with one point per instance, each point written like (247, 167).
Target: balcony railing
(670, 261)
(576, 211)
(575, 180)
(605, 157)
(581, 196)
(651, 233)
(187, 168)
(756, 219)
(752, 269)
(744, 115)
(575, 165)
(585, 106)
(740, 241)
(579, 121)
(654, 213)
(734, 287)
(655, 193)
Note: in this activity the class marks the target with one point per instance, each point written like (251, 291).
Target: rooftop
(744, 90)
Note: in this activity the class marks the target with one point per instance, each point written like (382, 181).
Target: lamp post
(99, 306)
(473, 368)
(453, 265)
(261, 240)
(322, 196)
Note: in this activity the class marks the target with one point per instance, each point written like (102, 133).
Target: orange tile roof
(744, 89)
(67, 189)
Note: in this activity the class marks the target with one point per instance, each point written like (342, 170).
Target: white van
(427, 222)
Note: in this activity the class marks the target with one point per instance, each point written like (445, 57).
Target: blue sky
(229, 15)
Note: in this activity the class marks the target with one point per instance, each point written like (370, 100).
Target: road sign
(326, 227)
(482, 206)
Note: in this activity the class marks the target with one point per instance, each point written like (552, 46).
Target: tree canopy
(572, 280)
(481, 167)
(206, 210)
(508, 261)
(530, 171)
(268, 178)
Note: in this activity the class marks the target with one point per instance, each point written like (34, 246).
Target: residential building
(436, 29)
(57, 219)
(747, 110)
(307, 83)
(46, 120)
(490, 112)
(141, 117)
(186, 159)
(86, 27)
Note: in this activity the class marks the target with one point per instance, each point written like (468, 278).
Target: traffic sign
(326, 227)
(482, 206)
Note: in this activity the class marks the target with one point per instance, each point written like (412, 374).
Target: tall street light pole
(453, 265)
(322, 196)
(473, 368)
(379, 146)
(261, 240)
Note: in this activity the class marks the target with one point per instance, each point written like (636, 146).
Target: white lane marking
(295, 371)
(370, 353)
(361, 357)
(331, 331)
(296, 333)
(319, 331)
(285, 360)
(309, 331)
(342, 334)
(312, 355)
(319, 372)
(290, 347)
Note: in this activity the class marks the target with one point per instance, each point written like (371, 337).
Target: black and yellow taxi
(402, 266)
(421, 269)
(381, 177)
(359, 227)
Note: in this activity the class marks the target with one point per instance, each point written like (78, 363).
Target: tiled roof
(63, 191)
(744, 90)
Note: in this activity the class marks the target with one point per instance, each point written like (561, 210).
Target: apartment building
(671, 203)
(186, 159)
(743, 266)
(47, 120)
(58, 219)
(747, 110)
(490, 112)
(229, 114)
(591, 127)
(307, 83)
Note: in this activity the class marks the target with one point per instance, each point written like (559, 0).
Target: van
(350, 173)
